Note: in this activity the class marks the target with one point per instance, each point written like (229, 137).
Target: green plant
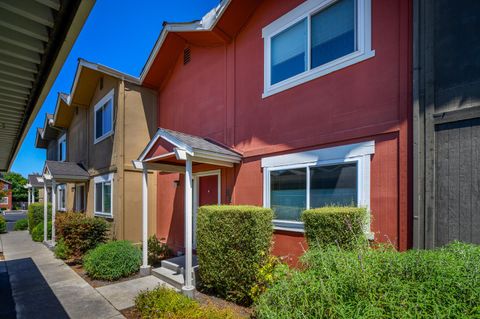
(113, 260)
(163, 303)
(379, 283)
(80, 232)
(268, 274)
(37, 232)
(157, 251)
(35, 215)
(61, 250)
(21, 224)
(233, 243)
(3, 225)
(335, 225)
(19, 192)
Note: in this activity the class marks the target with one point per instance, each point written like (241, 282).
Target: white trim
(63, 138)
(100, 180)
(107, 98)
(196, 197)
(359, 153)
(61, 206)
(305, 11)
(4, 200)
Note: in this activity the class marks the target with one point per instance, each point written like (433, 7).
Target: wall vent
(186, 56)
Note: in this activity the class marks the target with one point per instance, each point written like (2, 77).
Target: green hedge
(37, 232)
(378, 283)
(35, 215)
(163, 302)
(21, 224)
(113, 260)
(80, 233)
(233, 243)
(3, 224)
(335, 225)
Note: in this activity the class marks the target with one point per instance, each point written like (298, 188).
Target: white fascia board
(207, 23)
(217, 156)
(323, 154)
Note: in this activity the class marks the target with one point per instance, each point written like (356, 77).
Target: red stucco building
(6, 200)
(312, 95)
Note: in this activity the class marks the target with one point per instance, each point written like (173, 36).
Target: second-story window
(62, 148)
(314, 39)
(103, 118)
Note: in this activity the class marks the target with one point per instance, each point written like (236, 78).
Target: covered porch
(175, 152)
(55, 174)
(35, 182)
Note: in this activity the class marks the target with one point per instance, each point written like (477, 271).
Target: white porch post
(145, 269)
(45, 212)
(54, 209)
(33, 194)
(188, 288)
(29, 196)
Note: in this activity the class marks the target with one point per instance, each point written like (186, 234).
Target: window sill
(103, 137)
(320, 71)
(108, 216)
(290, 226)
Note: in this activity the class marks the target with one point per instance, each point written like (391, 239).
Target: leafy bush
(379, 283)
(3, 225)
(268, 274)
(21, 224)
(37, 232)
(335, 225)
(61, 250)
(157, 251)
(163, 302)
(80, 233)
(35, 215)
(233, 243)
(113, 260)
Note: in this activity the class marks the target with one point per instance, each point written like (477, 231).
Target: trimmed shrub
(165, 303)
(35, 215)
(61, 250)
(80, 233)
(233, 243)
(335, 225)
(37, 232)
(21, 224)
(157, 251)
(379, 283)
(113, 260)
(3, 225)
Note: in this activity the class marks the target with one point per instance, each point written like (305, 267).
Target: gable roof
(5, 181)
(216, 27)
(66, 170)
(191, 144)
(34, 180)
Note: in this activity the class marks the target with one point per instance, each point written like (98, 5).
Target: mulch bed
(205, 299)
(95, 283)
(131, 313)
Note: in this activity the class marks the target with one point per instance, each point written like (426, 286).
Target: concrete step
(178, 263)
(169, 276)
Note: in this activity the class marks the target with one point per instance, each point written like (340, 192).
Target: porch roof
(35, 180)
(172, 147)
(65, 171)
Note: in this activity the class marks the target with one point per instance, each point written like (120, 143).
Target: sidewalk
(45, 287)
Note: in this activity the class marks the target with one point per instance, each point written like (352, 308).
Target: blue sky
(119, 34)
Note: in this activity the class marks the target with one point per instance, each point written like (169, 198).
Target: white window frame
(62, 206)
(62, 139)
(306, 10)
(4, 200)
(359, 153)
(108, 97)
(100, 180)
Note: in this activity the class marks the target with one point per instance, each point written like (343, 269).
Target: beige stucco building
(91, 140)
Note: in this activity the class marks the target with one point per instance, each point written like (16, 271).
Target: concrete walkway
(45, 287)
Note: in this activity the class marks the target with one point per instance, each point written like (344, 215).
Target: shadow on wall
(25, 293)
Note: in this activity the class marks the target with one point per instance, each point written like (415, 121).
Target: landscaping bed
(95, 283)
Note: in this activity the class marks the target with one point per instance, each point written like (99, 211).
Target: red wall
(219, 95)
(9, 195)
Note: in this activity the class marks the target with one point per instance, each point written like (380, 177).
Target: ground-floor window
(61, 197)
(103, 195)
(330, 176)
(4, 200)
